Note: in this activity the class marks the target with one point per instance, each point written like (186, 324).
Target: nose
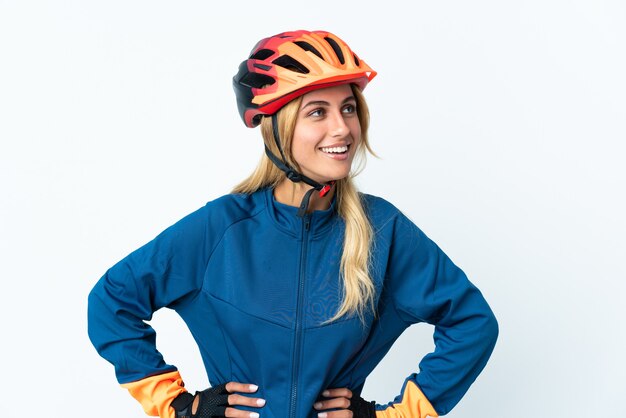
(338, 126)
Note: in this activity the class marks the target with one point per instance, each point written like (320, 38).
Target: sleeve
(167, 271)
(426, 286)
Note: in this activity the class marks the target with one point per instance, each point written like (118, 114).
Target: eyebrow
(324, 103)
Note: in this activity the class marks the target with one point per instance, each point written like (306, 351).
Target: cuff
(155, 393)
(414, 404)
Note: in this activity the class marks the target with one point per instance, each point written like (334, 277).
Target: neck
(290, 193)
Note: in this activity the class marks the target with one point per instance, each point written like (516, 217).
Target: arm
(426, 286)
(165, 272)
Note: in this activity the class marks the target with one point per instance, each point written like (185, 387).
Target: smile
(335, 150)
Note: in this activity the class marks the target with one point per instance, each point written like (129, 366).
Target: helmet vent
(291, 64)
(262, 66)
(356, 60)
(256, 80)
(336, 48)
(308, 47)
(262, 54)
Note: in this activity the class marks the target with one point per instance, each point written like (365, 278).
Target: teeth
(335, 149)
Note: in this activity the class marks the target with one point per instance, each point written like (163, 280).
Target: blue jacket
(253, 282)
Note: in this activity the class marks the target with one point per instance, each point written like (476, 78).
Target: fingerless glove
(361, 408)
(212, 403)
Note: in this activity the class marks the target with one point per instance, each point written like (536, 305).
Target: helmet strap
(292, 174)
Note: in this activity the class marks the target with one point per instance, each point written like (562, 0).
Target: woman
(295, 286)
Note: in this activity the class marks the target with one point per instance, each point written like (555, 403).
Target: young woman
(295, 285)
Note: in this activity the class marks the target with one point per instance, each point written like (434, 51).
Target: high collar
(286, 216)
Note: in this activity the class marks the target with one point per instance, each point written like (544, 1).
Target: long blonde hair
(358, 287)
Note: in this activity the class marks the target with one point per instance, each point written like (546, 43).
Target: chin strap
(293, 175)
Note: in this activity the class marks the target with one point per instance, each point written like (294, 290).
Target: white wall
(501, 128)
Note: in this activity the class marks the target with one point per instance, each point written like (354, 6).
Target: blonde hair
(358, 287)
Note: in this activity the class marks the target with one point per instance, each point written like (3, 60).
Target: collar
(286, 217)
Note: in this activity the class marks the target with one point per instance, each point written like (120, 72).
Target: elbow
(491, 330)
(96, 318)
(92, 316)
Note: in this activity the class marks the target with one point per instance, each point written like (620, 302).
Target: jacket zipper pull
(307, 223)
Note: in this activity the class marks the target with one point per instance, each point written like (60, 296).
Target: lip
(339, 157)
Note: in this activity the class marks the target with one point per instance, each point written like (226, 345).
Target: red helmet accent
(290, 64)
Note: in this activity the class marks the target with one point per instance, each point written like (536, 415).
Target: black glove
(361, 408)
(212, 403)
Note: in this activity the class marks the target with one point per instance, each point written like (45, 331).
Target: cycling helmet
(290, 64)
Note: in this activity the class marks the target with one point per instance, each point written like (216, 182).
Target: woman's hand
(235, 399)
(351, 406)
(339, 398)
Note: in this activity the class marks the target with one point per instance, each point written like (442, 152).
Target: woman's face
(327, 133)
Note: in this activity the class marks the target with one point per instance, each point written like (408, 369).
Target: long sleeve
(426, 286)
(163, 273)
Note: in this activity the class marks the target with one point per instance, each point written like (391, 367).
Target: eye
(349, 108)
(317, 112)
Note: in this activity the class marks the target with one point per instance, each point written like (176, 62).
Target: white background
(501, 127)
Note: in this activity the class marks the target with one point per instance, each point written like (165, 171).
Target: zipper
(306, 225)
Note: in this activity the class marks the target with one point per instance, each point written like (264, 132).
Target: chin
(325, 176)
(337, 176)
